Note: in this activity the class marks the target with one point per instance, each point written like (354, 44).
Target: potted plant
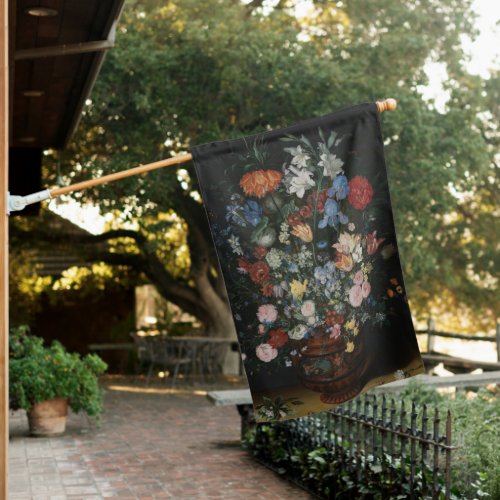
(44, 381)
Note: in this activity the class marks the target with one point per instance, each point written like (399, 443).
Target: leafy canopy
(186, 72)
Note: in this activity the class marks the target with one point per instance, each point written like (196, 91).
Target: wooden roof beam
(64, 50)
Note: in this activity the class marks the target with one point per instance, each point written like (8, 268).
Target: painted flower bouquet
(310, 262)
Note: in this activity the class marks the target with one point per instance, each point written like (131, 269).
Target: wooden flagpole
(176, 160)
(386, 105)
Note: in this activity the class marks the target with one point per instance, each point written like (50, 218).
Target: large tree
(186, 72)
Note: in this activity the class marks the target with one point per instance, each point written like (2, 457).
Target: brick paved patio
(150, 445)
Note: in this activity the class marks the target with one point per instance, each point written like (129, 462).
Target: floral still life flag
(302, 222)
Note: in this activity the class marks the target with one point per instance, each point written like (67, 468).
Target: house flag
(302, 222)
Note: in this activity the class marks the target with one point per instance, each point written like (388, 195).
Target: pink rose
(366, 288)
(335, 331)
(355, 296)
(308, 308)
(358, 278)
(266, 352)
(267, 313)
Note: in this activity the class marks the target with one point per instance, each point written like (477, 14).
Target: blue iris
(252, 212)
(233, 215)
(340, 188)
(330, 217)
(320, 274)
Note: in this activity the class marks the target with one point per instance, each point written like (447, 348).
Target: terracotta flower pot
(325, 366)
(48, 418)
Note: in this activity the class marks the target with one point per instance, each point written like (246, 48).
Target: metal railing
(408, 448)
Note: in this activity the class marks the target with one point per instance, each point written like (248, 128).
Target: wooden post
(4, 247)
(498, 341)
(431, 326)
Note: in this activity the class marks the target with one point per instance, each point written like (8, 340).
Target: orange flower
(343, 262)
(304, 232)
(267, 289)
(260, 182)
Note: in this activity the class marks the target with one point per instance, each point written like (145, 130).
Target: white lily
(300, 182)
(299, 157)
(332, 166)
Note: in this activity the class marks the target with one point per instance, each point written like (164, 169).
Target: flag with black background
(302, 223)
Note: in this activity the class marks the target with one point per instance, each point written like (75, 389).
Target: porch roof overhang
(57, 48)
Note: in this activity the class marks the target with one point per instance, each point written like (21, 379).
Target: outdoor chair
(158, 351)
(174, 356)
(213, 358)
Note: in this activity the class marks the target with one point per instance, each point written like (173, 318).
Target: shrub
(38, 373)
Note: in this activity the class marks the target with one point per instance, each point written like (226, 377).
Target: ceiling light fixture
(41, 11)
(33, 93)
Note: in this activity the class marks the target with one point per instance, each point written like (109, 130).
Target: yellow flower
(298, 289)
(355, 330)
(349, 347)
(304, 232)
(350, 325)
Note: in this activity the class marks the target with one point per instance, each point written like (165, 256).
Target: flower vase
(324, 365)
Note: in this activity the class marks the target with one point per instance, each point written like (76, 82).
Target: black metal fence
(404, 447)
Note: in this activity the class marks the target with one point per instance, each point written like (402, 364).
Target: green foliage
(38, 373)
(325, 471)
(475, 434)
(188, 72)
(475, 466)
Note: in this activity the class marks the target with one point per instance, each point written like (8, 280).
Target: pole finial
(387, 105)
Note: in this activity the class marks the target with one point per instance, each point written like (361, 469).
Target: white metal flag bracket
(16, 203)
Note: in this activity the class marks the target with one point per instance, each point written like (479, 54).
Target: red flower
(294, 219)
(244, 265)
(360, 192)
(334, 318)
(267, 289)
(277, 338)
(259, 272)
(372, 243)
(260, 252)
(260, 182)
(313, 200)
(306, 212)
